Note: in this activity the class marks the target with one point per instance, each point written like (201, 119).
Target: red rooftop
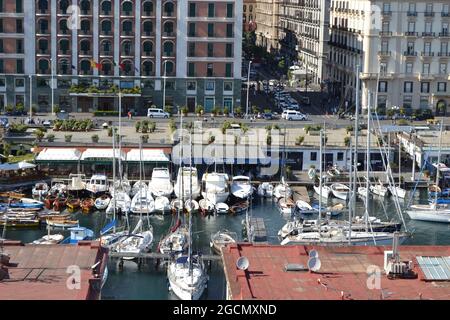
(343, 274)
(44, 272)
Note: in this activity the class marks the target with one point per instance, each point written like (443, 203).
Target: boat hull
(424, 215)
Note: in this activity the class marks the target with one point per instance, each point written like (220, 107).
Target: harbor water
(149, 282)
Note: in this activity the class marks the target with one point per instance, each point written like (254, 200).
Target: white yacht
(282, 190)
(430, 212)
(139, 241)
(142, 202)
(265, 190)
(241, 187)
(137, 186)
(162, 205)
(122, 202)
(326, 190)
(215, 187)
(97, 184)
(160, 185)
(187, 277)
(183, 185)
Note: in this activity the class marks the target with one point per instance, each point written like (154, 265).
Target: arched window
(168, 48)
(63, 5)
(147, 48)
(147, 7)
(168, 67)
(85, 6)
(147, 68)
(126, 47)
(127, 8)
(148, 28)
(106, 67)
(43, 65)
(168, 28)
(106, 27)
(64, 66)
(168, 9)
(85, 66)
(85, 26)
(106, 7)
(106, 47)
(43, 45)
(63, 26)
(127, 66)
(85, 46)
(127, 27)
(43, 5)
(64, 45)
(43, 26)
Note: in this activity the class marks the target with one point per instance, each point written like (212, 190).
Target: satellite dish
(313, 254)
(242, 263)
(314, 264)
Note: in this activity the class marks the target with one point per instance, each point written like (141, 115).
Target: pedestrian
(129, 115)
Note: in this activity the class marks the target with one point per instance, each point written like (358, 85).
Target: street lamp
(248, 87)
(31, 95)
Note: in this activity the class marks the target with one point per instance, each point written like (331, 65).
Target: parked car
(157, 113)
(47, 123)
(293, 115)
(268, 116)
(293, 106)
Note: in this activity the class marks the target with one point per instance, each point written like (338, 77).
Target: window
(407, 102)
(191, 31)
(19, 6)
(2, 66)
(408, 87)
(426, 68)
(384, 46)
(386, 7)
(228, 103)
(1, 46)
(229, 50)
(229, 10)
(170, 85)
(412, 7)
(211, 10)
(19, 66)
(209, 85)
(443, 68)
(192, 9)
(209, 70)
(210, 49)
(445, 27)
(191, 49)
(229, 30)
(444, 47)
(191, 85)
(191, 69)
(313, 156)
(340, 156)
(429, 8)
(20, 83)
(427, 48)
(410, 48)
(445, 9)
(19, 26)
(409, 68)
(385, 26)
(411, 26)
(382, 86)
(442, 87)
(2, 82)
(228, 86)
(425, 87)
(245, 8)
(383, 67)
(424, 103)
(428, 27)
(210, 29)
(228, 70)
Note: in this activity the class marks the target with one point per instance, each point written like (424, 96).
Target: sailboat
(142, 202)
(265, 190)
(139, 241)
(187, 274)
(215, 187)
(282, 190)
(379, 189)
(137, 186)
(160, 185)
(398, 191)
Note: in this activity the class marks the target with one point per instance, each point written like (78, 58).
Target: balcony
(41, 32)
(427, 54)
(169, 34)
(147, 14)
(148, 34)
(385, 33)
(411, 13)
(85, 53)
(428, 14)
(444, 34)
(443, 54)
(64, 52)
(425, 76)
(85, 32)
(428, 34)
(384, 53)
(85, 12)
(43, 52)
(410, 53)
(127, 13)
(411, 34)
(105, 13)
(148, 53)
(386, 13)
(445, 14)
(106, 33)
(127, 54)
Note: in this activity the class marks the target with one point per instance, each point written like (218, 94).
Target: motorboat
(187, 277)
(73, 203)
(326, 190)
(265, 190)
(59, 203)
(78, 234)
(362, 192)
(62, 223)
(432, 212)
(215, 187)
(121, 185)
(49, 239)
(58, 187)
(176, 241)
(191, 206)
(142, 202)
(241, 187)
(136, 242)
(221, 239)
(121, 200)
(335, 210)
(239, 207)
(187, 176)
(77, 182)
(138, 185)
(222, 208)
(379, 189)
(97, 184)
(286, 206)
(282, 190)
(160, 185)
(26, 203)
(333, 171)
(102, 202)
(40, 190)
(206, 206)
(162, 205)
(176, 204)
(303, 206)
(397, 191)
(340, 191)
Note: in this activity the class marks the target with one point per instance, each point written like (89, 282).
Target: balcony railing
(168, 34)
(427, 54)
(410, 53)
(411, 34)
(105, 13)
(127, 34)
(148, 13)
(106, 53)
(127, 53)
(147, 53)
(386, 13)
(428, 14)
(445, 14)
(443, 54)
(85, 31)
(385, 33)
(444, 34)
(148, 34)
(384, 53)
(86, 52)
(411, 13)
(428, 34)
(65, 52)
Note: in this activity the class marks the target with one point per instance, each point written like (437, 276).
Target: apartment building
(303, 34)
(267, 24)
(249, 15)
(185, 53)
(402, 48)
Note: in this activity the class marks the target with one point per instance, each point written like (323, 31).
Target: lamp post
(31, 95)
(248, 87)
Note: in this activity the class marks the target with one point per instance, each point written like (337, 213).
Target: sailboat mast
(320, 181)
(180, 208)
(366, 213)
(114, 174)
(352, 195)
(140, 182)
(120, 136)
(439, 157)
(190, 200)
(399, 162)
(355, 154)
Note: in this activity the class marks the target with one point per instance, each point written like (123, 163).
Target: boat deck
(300, 193)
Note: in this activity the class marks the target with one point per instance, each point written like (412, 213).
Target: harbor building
(77, 54)
(401, 47)
(303, 35)
(267, 21)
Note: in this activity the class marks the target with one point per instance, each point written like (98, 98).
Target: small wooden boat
(73, 203)
(62, 223)
(433, 189)
(49, 239)
(303, 205)
(221, 239)
(19, 223)
(87, 205)
(102, 202)
(162, 204)
(222, 208)
(59, 203)
(25, 203)
(239, 207)
(52, 215)
(49, 200)
(340, 191)
(24, 209)
(176, 204)
(335, 210)
(12, 195)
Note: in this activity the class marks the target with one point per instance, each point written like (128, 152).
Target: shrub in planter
(199, 110)
(137, 125)
(238, 110)
(347, 141)
(226, 125)
(299, 140)
(50, 137)
(68, 138)
(39, 135)
(144, 138)
(184, 110)
(226, 111)
(152, 127)
(95, 138)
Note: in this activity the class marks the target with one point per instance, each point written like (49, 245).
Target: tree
(6, 149)
(282, 64)
(50, 137)
(39, 135)
(299, 140)
(137, 125)
(68, 138)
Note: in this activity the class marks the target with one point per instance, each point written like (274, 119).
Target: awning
(101, 155)
(148, 155)
(58, 155)
(16, 166)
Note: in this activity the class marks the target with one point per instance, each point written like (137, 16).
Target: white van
(157, 113)
(293, 115)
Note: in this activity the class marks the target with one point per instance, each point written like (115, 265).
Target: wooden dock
(258, 230)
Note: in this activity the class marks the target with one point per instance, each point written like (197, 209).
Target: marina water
(150, 282)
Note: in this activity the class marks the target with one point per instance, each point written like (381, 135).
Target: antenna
(314, 264)
(242, 263)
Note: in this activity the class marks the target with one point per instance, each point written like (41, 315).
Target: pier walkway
(156, 255)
